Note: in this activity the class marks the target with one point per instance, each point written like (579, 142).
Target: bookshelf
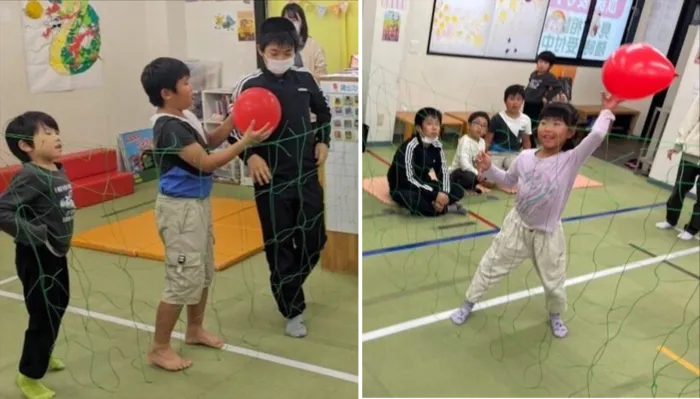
(215, 108)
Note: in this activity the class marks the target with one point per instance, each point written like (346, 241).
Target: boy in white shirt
(509, 130)
(462, 171)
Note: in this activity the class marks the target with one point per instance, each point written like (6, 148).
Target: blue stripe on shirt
(180, 183)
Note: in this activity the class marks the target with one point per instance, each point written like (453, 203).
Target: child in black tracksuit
(411, 185)
(288, 194)
(38, 210)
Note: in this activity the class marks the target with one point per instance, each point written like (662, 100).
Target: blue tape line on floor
(446, 240)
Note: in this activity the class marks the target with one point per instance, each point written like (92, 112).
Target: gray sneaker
(456, 208)
(460, 315)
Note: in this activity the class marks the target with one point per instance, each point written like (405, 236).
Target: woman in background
(310, 55)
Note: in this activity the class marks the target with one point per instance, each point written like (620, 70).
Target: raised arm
(596, 136)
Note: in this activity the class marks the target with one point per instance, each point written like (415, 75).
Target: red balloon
(259, 105)
(637, 70)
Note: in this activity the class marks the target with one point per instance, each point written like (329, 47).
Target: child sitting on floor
(463, 171)
(533, 229)
(411, 184)
(510, 130)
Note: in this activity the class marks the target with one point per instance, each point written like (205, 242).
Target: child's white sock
(296, 327)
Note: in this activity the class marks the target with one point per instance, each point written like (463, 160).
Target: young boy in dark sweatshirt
(288, 193)
(411, 183)
(37, 210)
(542, 87)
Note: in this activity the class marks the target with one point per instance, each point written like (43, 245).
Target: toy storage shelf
(215, 108)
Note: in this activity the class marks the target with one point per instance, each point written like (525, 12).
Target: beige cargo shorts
(185, 227)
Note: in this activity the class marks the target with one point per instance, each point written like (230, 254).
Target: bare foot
(200, 336)
(168, 359)
(484, 189)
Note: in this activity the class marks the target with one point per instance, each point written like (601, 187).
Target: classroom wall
(384, 76)
(369, 8)
(404, 77)
(92, 117)
(352, 28)
(663, 169)
(339, 36)
(205, 42)
(686, 52)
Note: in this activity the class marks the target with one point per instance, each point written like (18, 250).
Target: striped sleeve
(408, 164)
(445, 171)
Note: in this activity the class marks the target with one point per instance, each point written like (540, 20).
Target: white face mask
(297, 25)
(428, 140)
(278, 67)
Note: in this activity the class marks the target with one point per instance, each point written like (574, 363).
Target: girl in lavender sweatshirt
(544, 178)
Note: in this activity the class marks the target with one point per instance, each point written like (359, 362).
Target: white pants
(511, 246)
(503, 159)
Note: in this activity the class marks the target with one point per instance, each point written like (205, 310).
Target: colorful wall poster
(224, 22)
(564, 26)
(136, 152)
(246, 26)
(391, 26)
(607, 29)
(62, 43)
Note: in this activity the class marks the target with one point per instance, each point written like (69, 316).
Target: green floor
(105, 352)
(616, 322)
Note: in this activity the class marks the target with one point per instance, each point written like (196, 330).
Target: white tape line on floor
(228, 348)
(8, 280)
(438, 317)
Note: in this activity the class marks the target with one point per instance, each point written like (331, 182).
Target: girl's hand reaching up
(609, 101)
(483, 162)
